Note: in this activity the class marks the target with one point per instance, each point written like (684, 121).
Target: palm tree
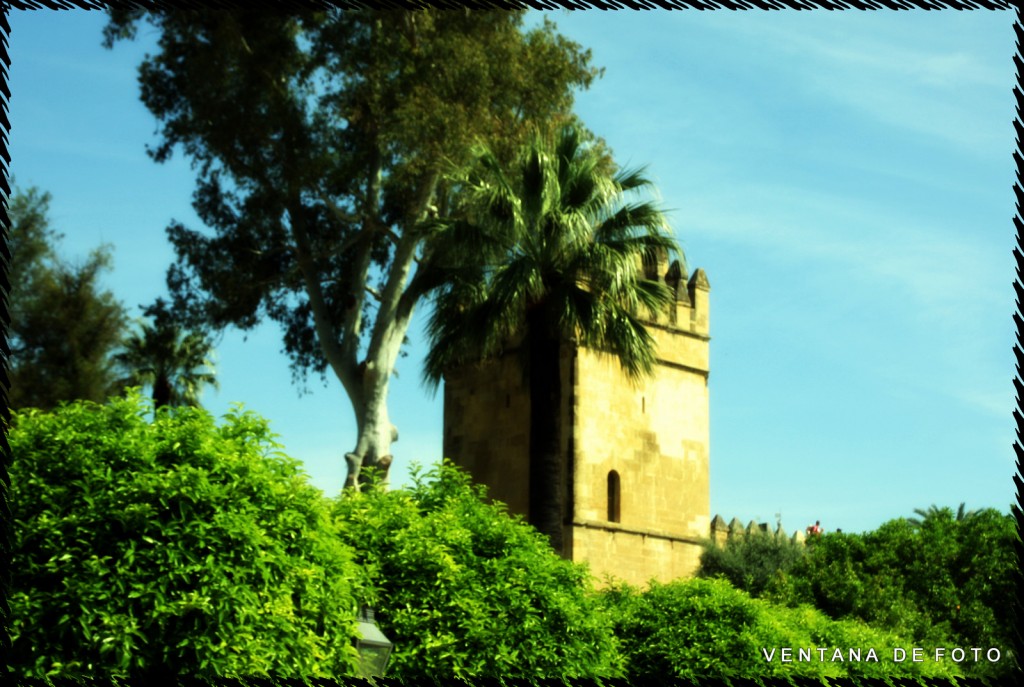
(934, 513)
(549, 251)
(175, 363)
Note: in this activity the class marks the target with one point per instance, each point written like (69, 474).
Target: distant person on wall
(815, 529)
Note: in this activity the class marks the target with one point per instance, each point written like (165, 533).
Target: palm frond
(633, 179)
(556, 232)
(162, 355)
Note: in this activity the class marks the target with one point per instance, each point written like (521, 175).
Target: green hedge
(170, 547)
(944, 581)
(465, 590)
(699, 628)
(756, 563)
(183, 546)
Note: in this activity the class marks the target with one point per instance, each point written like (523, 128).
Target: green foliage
(941, 580)
(176, 363)
(701, 629)
(63, 325)
(546, 247)
(557, 232)
(829, 576)
(684, 630)
(315, 205)
(465, 590)
(755, 563)
(172, 547)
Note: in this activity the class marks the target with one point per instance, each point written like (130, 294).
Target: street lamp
(373, 647)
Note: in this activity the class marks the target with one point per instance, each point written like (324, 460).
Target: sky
(844, 178)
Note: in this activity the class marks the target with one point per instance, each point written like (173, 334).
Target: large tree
(162, 354)
(320, 140)
(64, 325)
(550, 249)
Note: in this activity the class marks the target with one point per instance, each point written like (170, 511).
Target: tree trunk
(545, 380)
(161, 391)
(375, 431)
(366, 385)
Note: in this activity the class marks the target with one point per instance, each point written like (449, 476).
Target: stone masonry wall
(653, 434)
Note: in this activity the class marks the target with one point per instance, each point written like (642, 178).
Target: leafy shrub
(701, 629)
(686, 630)
(175, 546)
(942, 581)
(465, 590)
(830, 576)
(755, 563)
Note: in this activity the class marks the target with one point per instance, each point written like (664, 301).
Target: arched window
(614, 497)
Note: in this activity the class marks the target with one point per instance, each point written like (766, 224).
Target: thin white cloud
(996, 403)
(917, 108)
(881, 68)
(952, 71)
(940, 67)
(943, 273)
(944, 283)
(901, 47)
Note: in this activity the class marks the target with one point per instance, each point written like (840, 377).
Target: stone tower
(637, 500)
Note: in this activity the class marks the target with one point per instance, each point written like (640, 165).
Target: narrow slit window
(614, 497)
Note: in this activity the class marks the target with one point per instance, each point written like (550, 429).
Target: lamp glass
(373, 647)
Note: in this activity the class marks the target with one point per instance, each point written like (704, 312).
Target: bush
(706, 629)
(175, 546)
(465, 590)
(943, 581)
(756, 563)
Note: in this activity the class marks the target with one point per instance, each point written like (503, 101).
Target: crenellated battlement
(721, 532)
(689, 309)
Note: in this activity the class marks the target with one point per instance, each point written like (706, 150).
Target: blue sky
(845, 179)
